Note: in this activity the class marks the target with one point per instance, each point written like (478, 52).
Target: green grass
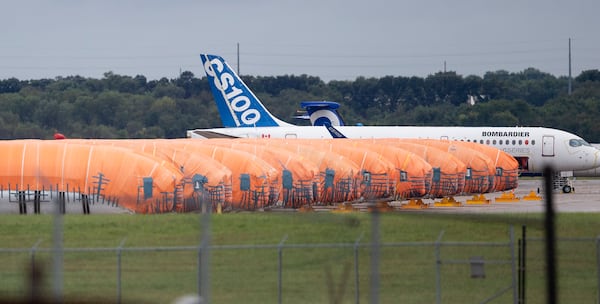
(310, 275)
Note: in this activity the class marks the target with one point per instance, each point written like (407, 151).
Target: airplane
(535, 148)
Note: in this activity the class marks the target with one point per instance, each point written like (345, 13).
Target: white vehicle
(535, 148)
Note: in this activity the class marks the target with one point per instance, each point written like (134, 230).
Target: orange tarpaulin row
(37, 164)
(490, 169)
(378, 170)
(254, 173)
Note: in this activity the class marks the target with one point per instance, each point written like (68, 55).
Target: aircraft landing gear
(563, 183)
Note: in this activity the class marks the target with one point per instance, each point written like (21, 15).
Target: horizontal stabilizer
(323, 112)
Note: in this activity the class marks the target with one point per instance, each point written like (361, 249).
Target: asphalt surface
(584, 198)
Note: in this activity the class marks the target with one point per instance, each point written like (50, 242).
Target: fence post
(550, 235)
(438, 262)
(199, 271)
(513, 264)
(204, 254)
(375, 255)
(356, 281)
(32, 253)
(598, 268)
(57, 251)
(119, 250)
(35, 278)
(522, 263)
(280, 268)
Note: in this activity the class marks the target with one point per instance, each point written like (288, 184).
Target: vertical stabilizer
(237, 105)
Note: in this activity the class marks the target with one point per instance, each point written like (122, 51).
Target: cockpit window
(577, 142)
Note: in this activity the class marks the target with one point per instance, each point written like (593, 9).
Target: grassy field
(310, 275)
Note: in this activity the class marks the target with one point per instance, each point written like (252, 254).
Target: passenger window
(533, 142)
(520, 142)
(481, 141)
(514, 142)
(494, 142)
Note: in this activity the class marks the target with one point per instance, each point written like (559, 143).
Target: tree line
(119, 106)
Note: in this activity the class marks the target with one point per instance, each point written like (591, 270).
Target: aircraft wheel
(567, 189)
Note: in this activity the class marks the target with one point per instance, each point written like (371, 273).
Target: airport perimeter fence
(435, 271)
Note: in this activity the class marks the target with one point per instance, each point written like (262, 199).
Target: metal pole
(570, 78)
(513, 264)
(199, 274)
(520, 279)
(550, 238)
(204, 286)
(32, 252)
(356, 276)
(280, 269)
(119, 250)
(523, 262)
(438, 265)
(598, 268)
(375, 254)
(57, 246)
(35, 278)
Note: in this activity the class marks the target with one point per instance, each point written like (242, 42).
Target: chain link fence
(435, 271)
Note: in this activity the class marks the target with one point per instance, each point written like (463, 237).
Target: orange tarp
(322, 171)
(480, 168)
(508, 176)
(451, 179)
(347, 173)
(412, 178)
(278, 158)
(264, 179)
(217, 175)
(377, 172)
(303, 173)
(71, 167)
(383, 165)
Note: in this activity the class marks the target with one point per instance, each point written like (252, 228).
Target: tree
(445, 87)
(117, 106)
(588, 75)
(11, 85)
(188, 83)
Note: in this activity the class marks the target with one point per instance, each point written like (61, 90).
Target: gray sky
(332, 39)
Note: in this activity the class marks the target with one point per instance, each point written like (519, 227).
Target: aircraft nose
(594, 158)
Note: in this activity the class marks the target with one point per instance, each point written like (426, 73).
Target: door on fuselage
(523, 163)
(547, 145)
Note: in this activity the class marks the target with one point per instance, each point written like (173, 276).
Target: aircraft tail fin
(323, 113)
(237, 105)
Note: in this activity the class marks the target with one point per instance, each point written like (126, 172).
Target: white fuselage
(534, 147)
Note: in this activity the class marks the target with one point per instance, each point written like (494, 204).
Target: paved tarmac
(584, 198)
